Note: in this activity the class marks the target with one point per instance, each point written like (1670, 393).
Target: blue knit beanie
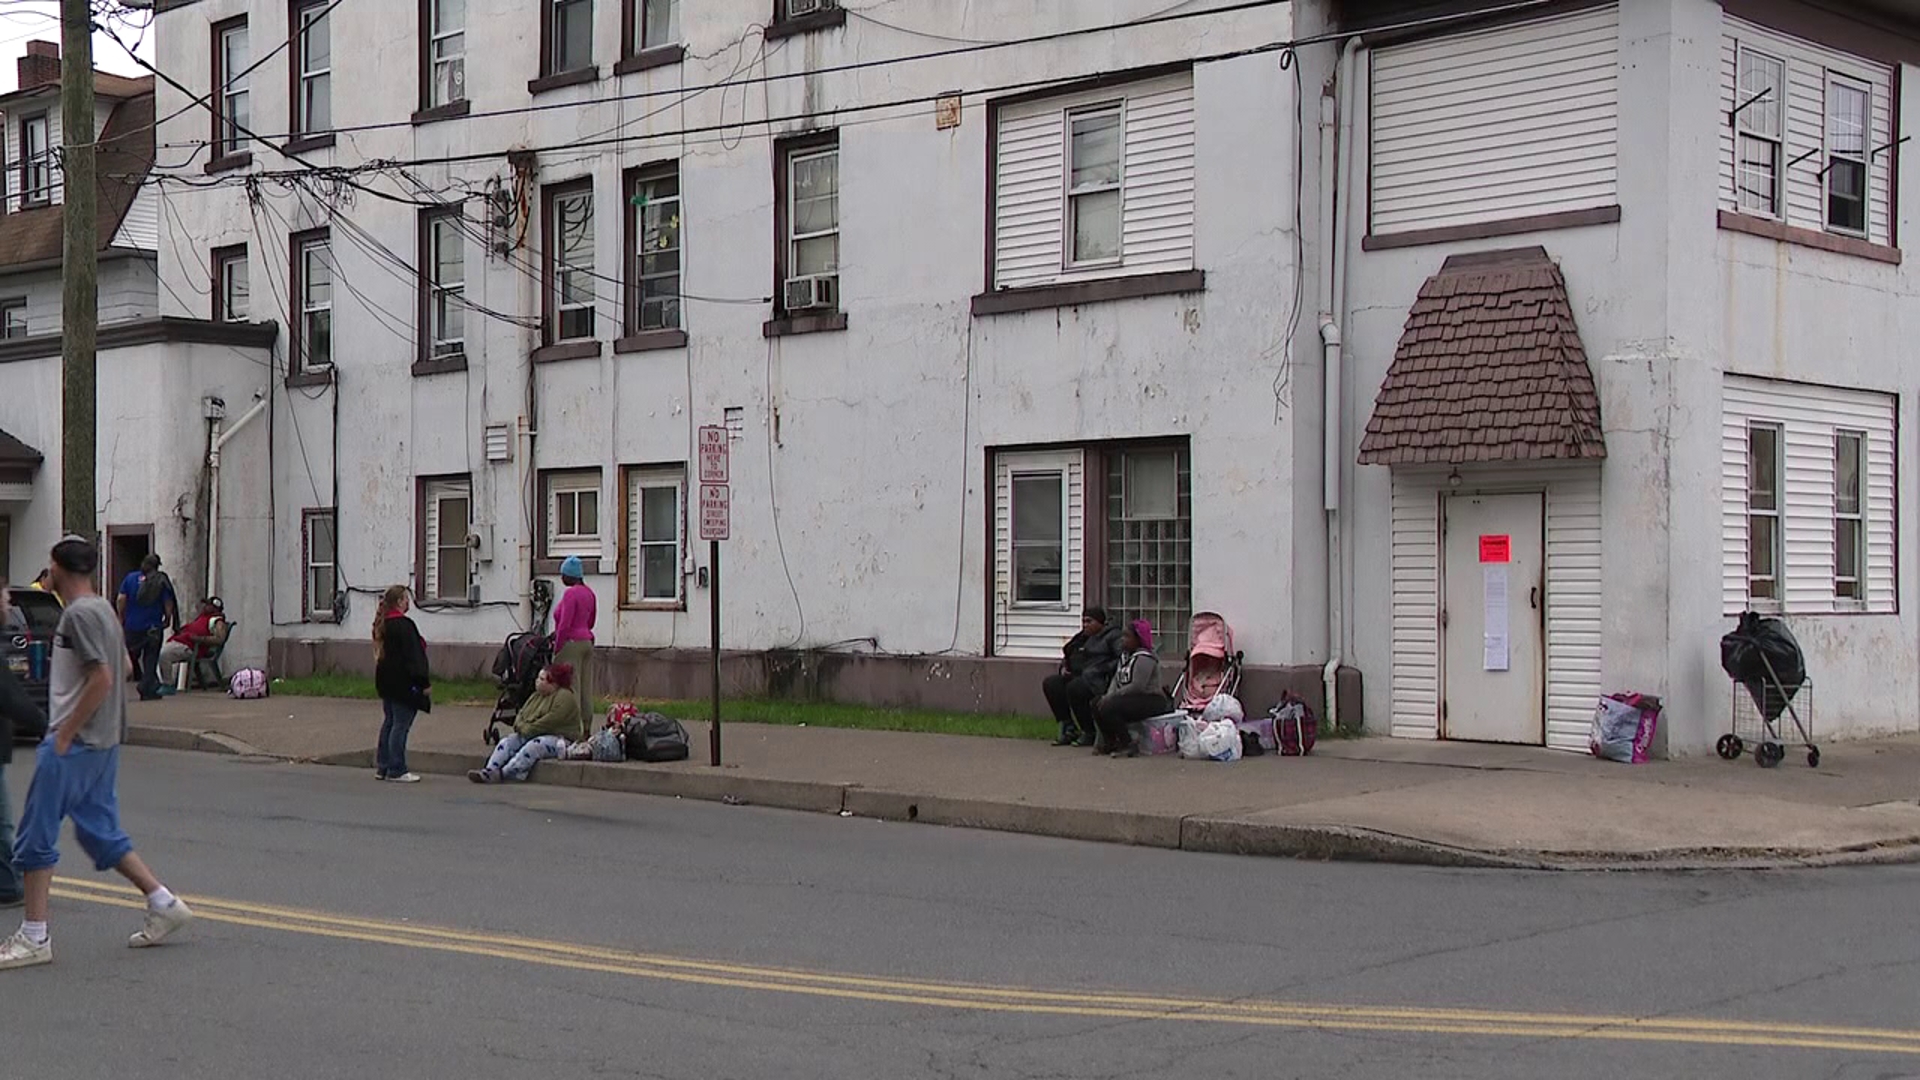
(572, 568)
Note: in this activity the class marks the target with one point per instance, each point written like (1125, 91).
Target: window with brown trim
(312, 67)
(312, 295)
(446, 570)
(230, 284)
(654, 549)
(443, 53)
(653, 237)
(806, 252)
(651, 24)
(443, 285)
(573, 519)
(320, 565)
(568, 265)
(566, 34)
(231, 112)
(36, 161)
(13, 318)
(805, 16)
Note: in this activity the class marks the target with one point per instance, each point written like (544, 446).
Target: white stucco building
(985, 357)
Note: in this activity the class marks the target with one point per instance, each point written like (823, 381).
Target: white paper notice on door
(1496, 650)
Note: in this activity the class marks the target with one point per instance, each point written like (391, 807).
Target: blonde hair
(389, 600)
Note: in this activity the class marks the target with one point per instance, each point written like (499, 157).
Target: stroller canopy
(1209, 635)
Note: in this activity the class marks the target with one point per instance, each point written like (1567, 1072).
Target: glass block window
(1150, 541)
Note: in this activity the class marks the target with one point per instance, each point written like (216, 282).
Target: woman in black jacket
(15, 708)
(401, 678)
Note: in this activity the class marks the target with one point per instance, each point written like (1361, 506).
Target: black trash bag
(1762, 655)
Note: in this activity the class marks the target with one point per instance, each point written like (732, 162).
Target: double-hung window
(656, 24)
(571, 292)
(1849, 123)
(656, 536)
(809, 255)
(573, 513)
(1095, 161)
(1849, 515)
(313, 290)
(653, 231)
(569, 32)
(1039, 537)
(447, 574)
(321, 558)
(36, 161)
(230, 284)
(231, 58)
(1760, 132)
(446, 52)
(444, 283)
(312, 68)
(13, 319)
(1763, 512)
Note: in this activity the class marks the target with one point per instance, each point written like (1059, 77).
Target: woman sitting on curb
(545, 724)
(1134, 696)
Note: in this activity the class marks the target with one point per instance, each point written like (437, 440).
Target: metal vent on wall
(499, 442)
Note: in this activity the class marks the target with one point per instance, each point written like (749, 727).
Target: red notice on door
(1496, 549)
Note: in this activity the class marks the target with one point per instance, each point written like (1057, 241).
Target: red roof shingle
(1489, 368)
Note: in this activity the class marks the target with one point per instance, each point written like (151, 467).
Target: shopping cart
(1769, 681)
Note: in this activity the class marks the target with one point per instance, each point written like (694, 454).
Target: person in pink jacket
(573, 636)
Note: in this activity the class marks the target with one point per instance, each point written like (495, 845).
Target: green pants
(580, 655)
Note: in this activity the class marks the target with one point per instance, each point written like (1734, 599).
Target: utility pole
(80, 280)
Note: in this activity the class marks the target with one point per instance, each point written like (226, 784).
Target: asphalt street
(353, 929)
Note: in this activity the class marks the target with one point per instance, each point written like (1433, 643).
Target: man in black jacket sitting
(15, 708)
(1086, 667)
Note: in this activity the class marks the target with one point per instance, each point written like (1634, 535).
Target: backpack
(1294, 726)
(654, 738)
(607, 744)
(152, 587)
(248, 684)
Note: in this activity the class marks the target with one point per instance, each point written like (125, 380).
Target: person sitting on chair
(1087, 664)
(197, 640)
(547, 722)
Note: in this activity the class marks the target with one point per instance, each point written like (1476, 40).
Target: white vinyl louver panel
(1809, 417)
(448, 569)
(1032, 241)
(1495, 125)
(1811, 70)
(1039, 551)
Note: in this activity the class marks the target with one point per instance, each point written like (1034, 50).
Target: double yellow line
(1001, 999)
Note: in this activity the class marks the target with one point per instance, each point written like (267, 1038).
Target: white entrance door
(1495, 688)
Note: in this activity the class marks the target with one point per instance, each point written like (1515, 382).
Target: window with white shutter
(447, 575)
(573, 513)
(1094, 184)
(1497, 125)
(1039, 529)
(656, 536)
(1808, 475)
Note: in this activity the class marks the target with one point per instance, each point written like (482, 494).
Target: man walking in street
(146, 607)
(77, 765)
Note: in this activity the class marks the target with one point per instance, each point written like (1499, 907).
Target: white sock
(36, 932)
(159, 899)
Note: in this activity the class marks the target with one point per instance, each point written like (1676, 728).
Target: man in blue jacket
(147, 606)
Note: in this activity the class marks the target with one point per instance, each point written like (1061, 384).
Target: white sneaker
(161, 924)
(18, 952)
(408, 778)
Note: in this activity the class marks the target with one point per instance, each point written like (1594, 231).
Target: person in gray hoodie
(1135, 695)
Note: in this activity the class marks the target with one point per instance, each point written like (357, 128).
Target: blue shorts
(79, 787)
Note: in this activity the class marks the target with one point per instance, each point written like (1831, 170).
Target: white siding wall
(1808, 416)
(1574, 617)
(1156, 191)
(141, 227)
(1808, 66)
(1028, 629)
(1496, 125)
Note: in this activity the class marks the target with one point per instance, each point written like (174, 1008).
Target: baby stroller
(516, 668)
(1213, 667)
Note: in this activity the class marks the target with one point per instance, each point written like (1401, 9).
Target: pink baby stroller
(1213, 667)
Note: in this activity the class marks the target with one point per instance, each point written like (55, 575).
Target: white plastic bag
(1189, 738)
(1224, 707)
(1219, 741)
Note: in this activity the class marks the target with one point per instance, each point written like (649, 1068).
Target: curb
(1207, 834)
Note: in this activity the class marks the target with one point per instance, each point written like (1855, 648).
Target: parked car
(26, 646)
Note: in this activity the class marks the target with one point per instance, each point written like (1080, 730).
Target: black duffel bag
(655, 738)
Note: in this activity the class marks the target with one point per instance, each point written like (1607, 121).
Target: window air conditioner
(815, 293)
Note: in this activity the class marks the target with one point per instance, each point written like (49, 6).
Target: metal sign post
(715, 525)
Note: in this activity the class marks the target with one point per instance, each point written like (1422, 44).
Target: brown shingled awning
(1489, 368)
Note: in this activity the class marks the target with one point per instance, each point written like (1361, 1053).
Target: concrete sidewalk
(1450, 804)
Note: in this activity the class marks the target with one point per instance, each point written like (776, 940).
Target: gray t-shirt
(89, 634)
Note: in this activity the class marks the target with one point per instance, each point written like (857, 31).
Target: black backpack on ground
(655, 738)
